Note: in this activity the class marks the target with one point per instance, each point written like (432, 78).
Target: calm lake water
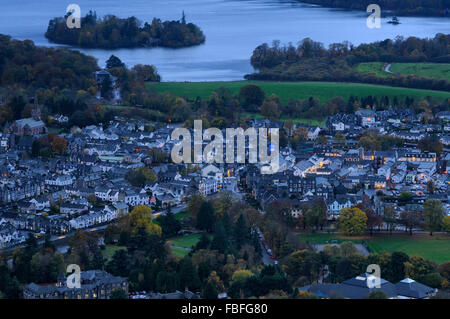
(233, 28)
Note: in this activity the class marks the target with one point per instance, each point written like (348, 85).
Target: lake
(233, 28)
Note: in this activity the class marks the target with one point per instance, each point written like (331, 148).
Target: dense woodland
(311, 61)
(112, 32)
(63, 80)
(399, 7)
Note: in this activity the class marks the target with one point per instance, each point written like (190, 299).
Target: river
(233, 28)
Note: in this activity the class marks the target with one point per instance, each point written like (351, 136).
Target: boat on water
(394, 21)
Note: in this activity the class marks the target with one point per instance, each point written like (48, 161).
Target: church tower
(36, 112)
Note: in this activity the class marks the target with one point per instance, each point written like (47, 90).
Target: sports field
(435, 247)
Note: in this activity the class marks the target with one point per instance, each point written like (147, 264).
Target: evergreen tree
(188, 275)
(220, 241)
(119, 264)
(114, 62)
(209, 291)
(206, 217)
(241, 231)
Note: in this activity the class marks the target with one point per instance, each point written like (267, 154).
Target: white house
(62, 180)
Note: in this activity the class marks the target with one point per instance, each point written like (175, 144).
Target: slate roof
(413, 289)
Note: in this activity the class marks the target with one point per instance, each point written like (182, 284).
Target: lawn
(179, 252)
(427, 70)
(185, 241)
(110, 250)
(295, 90)
(435, 248)
(181, 246)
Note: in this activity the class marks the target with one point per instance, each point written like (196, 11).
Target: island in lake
(112, 32)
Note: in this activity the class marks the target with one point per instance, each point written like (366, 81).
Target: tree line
(400, 7)
(311, 61)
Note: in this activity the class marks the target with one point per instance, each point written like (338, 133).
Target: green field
(435, 248)
(427, 70)
(179, 252)
(373, 67)
(185, 241)
(181, 246)
(295, 90)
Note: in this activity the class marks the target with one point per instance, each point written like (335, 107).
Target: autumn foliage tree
(352, 221)
(140, 217)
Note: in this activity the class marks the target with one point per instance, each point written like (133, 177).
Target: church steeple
(36, 112)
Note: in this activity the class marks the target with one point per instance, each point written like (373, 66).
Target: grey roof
(411, 288)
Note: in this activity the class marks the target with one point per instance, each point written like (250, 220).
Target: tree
(106, 88)
(269, 109)
(114, 62)
(203, 243)
(146, 73)
(59, 145)
(303, 263)
(289, 127)
(209, 291)
(241, 231)
(377, 294)
(433, 213)
(316, 215)
(405, 197)
(410, 219)
(373, 219)
(220, 240)
(188, 275)
(397, 266)
(119, 264)
(389, 217)
(206, 217)
(166, 281)
(251, 97)
(431, 144)
(241, 275)
(444, 270)
(141, 217)
(352, 221)
(446, 223)
(169, 224)
(417, 267)
(140, 176)
(194, 204)
(434, 280)
(322, 139)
